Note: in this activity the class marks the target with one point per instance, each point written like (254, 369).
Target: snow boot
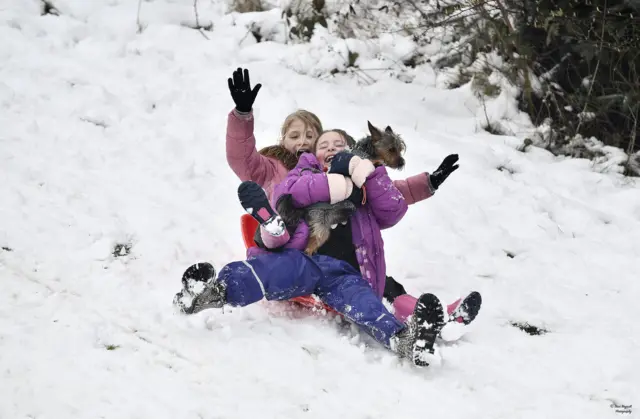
(200, 290)
(468, 309)
(254, 200)
(416, 341)
(462, 315)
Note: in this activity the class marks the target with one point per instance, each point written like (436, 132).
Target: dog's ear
(376, 135)
(388, 130)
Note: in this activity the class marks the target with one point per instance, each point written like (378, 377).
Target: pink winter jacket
(248, 164)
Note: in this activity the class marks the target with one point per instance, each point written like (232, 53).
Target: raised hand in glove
(240, 88)
(448, 166)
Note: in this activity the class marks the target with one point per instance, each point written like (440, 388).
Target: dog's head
(387, 147)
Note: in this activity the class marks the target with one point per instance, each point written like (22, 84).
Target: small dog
(382, 148)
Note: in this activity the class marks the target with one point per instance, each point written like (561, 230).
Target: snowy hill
(113, 180)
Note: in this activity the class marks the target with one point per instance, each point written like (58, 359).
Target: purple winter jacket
(385, 206)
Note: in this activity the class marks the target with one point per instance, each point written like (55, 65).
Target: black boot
(200, 290)
(392, 289)
(416, 341)
(468, 309)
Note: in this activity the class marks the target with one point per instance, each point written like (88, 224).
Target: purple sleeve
(385, 200)
(299, 238)
(304, 186)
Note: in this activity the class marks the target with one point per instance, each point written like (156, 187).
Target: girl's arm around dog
(242, 156)
(308, 184)
(385, 201)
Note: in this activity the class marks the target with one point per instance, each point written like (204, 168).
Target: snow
(275, 227)
(111, 136)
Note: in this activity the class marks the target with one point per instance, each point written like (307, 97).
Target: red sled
(249, 225)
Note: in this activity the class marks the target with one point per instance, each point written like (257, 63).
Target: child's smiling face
(328, 145)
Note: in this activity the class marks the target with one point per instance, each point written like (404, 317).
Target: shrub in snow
(121, 249)
(247, 6)
(573, 62)
(302, 16)
(568, 67)
(529, 328)
(48, 8)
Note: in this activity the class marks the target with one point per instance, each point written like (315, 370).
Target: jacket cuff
(360, 169)
(430, 187)
(340, 187)
(242, 115)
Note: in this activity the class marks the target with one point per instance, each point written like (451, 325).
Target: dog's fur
(382, 148)
(321, 218)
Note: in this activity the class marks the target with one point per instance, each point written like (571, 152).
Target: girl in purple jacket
(358, 242)
(334, 272)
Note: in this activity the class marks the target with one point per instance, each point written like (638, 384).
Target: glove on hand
(241, 93)
(448, 166)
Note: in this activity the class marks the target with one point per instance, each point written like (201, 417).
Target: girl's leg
(288, 274)
(344, 290)
(461, 311)
(404, 303)
(273, 233)
(281, 276)
(352, 296)
(274, 276)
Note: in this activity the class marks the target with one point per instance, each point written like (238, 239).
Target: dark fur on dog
(382, 148)
(321, 218)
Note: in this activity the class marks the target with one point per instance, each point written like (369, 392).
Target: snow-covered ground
(113, 137)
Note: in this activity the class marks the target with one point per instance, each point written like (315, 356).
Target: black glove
(448, 166)
(356, 196)
(340, 163)
(241, 92)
